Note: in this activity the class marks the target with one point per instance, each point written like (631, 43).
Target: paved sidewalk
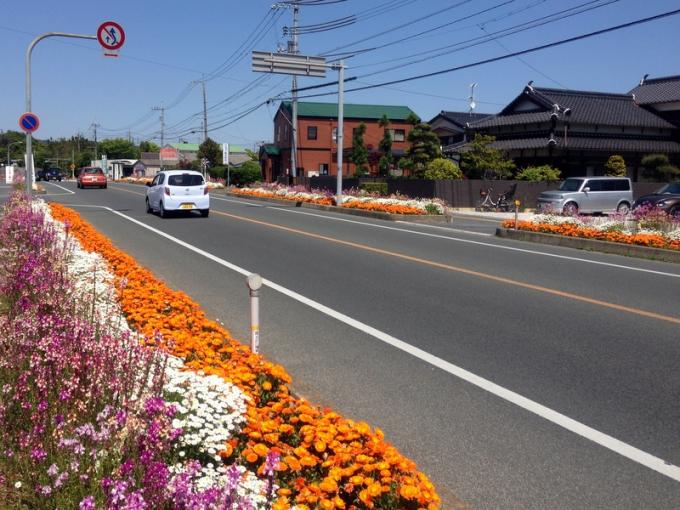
(492, 215)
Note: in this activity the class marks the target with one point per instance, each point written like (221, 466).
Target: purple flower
(38, 454)
(53, 470)
(87, 503)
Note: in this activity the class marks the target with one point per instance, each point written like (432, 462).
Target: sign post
(116, 38)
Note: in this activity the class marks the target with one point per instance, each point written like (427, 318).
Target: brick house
(317, 138)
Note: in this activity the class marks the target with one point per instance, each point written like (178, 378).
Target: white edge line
(470, 241)
(65, 189)
(609, 442)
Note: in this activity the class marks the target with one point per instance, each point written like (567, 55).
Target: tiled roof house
(576, 130)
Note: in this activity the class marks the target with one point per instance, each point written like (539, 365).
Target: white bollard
(254, 282)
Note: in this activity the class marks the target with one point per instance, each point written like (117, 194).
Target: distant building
(317, 137)
(576, 131)
(237, 155)
(450, 126)
(185, 151)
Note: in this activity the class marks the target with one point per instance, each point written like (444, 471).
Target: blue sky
(170, 44)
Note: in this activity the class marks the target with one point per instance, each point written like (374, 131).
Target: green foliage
(538, 173)
(385, 146)
(359, 151)
(374, 187)
(252, 155)
(413, 119)
(441, 168)
(218, 172)
(432, 209)
(658, 167)
(425, 146)
(118, 148)
(148, 146)
(247, 173)
(481, 158)
(211, 151)
(615, 166)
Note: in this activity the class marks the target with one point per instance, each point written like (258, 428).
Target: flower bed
(326, 461)
(351, 199)
(219, 184)
(644, 227)
(86, 412)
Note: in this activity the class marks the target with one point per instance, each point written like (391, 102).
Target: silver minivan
(588, 195)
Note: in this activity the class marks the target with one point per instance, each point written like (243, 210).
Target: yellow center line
(456, 269)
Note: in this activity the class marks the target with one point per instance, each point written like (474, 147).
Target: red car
(91, 177)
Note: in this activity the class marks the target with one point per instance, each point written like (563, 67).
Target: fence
(462, 193)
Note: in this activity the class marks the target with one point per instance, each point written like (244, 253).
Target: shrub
(247, 173)
(538, 173)
(658, 167)
(217, 172)
(441, 168)
(374, 187)
(615, 166)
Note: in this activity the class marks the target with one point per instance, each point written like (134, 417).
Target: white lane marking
(604, 440)
(58, 186)
(470, 241)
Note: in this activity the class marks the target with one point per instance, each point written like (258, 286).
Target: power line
(510, 55)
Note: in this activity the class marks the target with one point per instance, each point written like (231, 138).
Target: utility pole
(130, 135)
(294, 49)
(205, 113)
(162, 119)
(95, 126)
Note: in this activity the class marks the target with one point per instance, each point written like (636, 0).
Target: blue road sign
(29, 122)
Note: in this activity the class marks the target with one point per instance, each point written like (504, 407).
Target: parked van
(589, 195)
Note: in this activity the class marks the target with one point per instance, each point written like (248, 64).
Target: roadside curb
(415, 218)
(627, 250)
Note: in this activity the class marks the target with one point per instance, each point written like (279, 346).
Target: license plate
(186, 206)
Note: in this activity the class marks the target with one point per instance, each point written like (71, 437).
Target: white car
(177, 190)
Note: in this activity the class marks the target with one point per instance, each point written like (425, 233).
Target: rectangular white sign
(225, 153)
(9, 174)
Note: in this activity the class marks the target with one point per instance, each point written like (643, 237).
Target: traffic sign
(29, 122)
(111, 36)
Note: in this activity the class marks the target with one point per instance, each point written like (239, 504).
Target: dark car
(49, 174)
(666, 198)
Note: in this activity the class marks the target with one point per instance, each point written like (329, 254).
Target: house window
(311, 132)
(335, 135)
(398, 135)
(323, 168)
(278, 133)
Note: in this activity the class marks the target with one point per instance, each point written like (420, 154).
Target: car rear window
(93, 171)
(185, 180)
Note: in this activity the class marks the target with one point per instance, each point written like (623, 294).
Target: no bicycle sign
(111, 36)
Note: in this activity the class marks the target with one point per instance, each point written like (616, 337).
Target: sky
(170, 46)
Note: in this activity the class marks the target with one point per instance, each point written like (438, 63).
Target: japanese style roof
(658, 90)
(580, 143)
(351, 111)
(271, 150)
(536, 105)
(461, 118)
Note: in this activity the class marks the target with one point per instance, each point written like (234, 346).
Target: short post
(517, 203)
(254, 282)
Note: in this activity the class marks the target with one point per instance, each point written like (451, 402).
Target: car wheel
(148, 207)
(674, 212)
(623, 208)
(104, 186)
(205, 212)
(570, 209)
(161, 211)
(78, 185)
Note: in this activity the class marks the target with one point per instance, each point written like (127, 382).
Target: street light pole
(29, 138)
(341, 118)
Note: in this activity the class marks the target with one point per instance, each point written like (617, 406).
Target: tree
(211, 151)
(481, 158)
(538, 173)
(659, 168)
(615, 166)
(118, 148)
(148, 146)
(359, 151)
(441, 168)
(385, 146)
(246, 173)
(252, 155)
(425, 146)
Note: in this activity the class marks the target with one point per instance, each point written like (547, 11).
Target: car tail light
(205, 190)
(167, 191)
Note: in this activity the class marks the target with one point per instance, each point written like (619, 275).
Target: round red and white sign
(110, 35)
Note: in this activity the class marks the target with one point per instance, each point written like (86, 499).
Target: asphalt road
(515, 375)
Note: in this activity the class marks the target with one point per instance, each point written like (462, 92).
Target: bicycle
(502, 202)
